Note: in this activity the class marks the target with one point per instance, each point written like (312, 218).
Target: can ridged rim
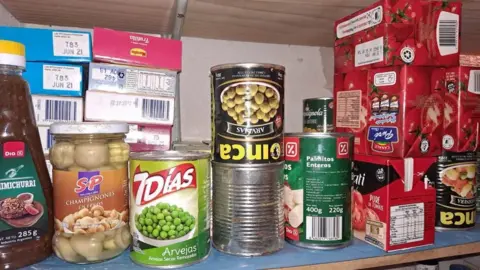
(319, 134)
(319, 98)
(246, 165)
(246, 65)
(170, 155)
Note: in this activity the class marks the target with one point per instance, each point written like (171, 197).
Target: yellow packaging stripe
(12, 47)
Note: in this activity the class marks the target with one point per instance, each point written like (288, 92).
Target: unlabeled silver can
(248, 208)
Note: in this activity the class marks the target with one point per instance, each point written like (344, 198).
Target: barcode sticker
(60, 110)
(71, 44)
(67, 78)
(474, 82)
(46, 138)
(50, 109)
(156, 109)
(324, 228)
(108, 106)
(448, 33)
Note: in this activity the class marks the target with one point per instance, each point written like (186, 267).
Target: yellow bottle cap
(12, 53)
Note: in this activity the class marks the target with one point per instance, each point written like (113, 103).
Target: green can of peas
(169, 208)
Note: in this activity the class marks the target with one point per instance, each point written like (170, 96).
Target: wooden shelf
(302, 22)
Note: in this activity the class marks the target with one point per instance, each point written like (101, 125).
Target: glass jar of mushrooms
(90, 189)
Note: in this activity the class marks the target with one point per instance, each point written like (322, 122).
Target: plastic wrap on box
(51, 109)
(49, 45)
(142, 109)
(127, 79)
(54, 79)
(136, 49)
(149, 137)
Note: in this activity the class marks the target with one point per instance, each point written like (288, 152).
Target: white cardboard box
(51, 109)
(131, 108)
(45, 137)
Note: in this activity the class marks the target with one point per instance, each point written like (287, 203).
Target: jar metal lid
(89, 128)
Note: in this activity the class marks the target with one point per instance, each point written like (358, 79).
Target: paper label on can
(317, 178)
(247, 114)
(457, 187)
(90, 201)
(318, 115)
(169, 219)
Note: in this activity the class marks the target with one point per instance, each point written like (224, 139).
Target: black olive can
(247, 113)
(456, 186)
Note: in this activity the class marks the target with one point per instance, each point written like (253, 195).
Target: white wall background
(309, 73)
(305, 77)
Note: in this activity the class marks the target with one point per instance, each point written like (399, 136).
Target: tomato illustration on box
(393, 201)
(462, 109)
(406, 111)
(351, 107)
(388, 33)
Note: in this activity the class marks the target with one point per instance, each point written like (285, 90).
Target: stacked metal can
(247, 136)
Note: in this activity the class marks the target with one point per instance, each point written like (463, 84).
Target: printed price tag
(105, 74)
(62, 78)
(71, 44)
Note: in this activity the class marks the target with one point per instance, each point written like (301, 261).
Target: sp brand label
(247, 114)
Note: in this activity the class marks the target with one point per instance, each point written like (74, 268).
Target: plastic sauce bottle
(26, 217)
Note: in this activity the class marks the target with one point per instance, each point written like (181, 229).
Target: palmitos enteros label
(247, 113)
(456, 190)
(317, 188)
(169, 217)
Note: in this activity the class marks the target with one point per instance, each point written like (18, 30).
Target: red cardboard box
(134, 49)
(351, 106)
(392, 32)
(149, 137)
(393, 201)
(462, 109)
(406, 111)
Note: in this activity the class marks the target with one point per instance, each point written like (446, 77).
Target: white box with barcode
(134, 80)
(51, 109)
(45, 137)
(141, 109)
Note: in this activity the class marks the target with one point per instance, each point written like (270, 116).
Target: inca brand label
(169, 218)
(317, 189)
(318, 115)
(456, 186)
(90, 201)
(23, 208)
(247, 114)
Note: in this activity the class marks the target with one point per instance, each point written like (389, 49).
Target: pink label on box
(136, 49)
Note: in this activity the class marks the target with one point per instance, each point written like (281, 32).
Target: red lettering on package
(14, 150)
(292, 233)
